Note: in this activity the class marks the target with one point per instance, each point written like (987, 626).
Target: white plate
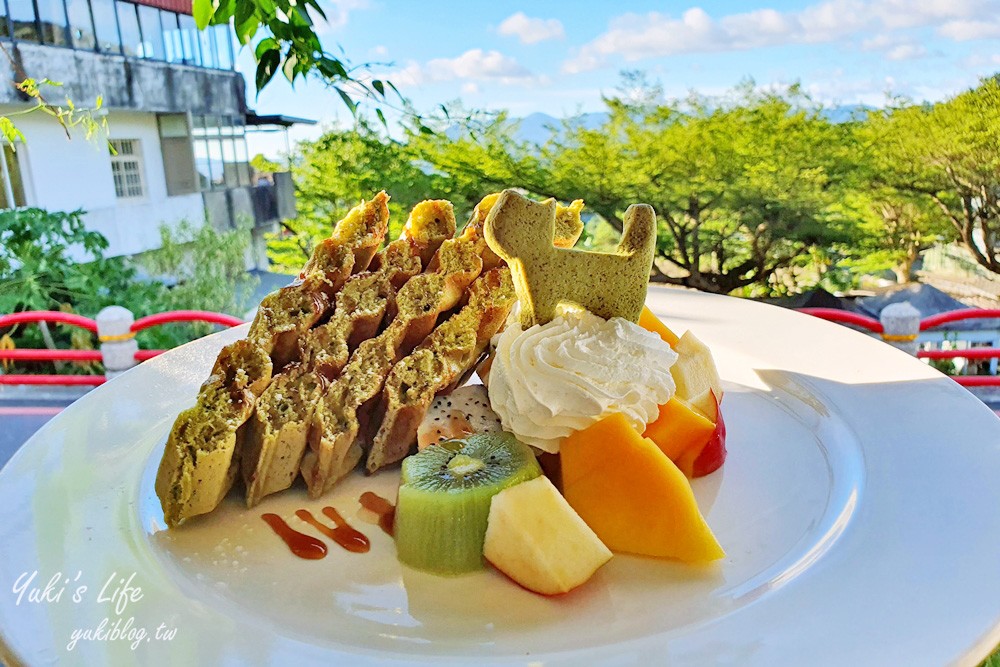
(858, 508)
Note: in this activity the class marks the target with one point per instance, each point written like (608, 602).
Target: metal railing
(96, 355)
(928, 324)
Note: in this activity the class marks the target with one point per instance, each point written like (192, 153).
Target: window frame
(9, 194)
(139, 158)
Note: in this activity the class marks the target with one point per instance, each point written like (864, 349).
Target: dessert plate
(858, 509)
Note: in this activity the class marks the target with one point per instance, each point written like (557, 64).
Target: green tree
(948, 155)
(744, 189)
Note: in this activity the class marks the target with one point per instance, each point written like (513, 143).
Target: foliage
(68, 115)
(948, 156)
(208, 269)
(263, 165)
(284, 38)
(50, 261)
(743, 189)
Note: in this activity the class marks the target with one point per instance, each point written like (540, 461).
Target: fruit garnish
(695, 373)
(461, 413)
(701, 461)
(539, 541)
(650, 322)
(632, 495)
(678, 428)
(444, 499)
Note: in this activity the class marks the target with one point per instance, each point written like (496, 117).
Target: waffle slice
(287, 313)
(438, 364)
(334, 449)
(274, 438)
(201, 455)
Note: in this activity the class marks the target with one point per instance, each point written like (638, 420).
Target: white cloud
(473, 65)
(966, 30)
(636, 37)
(470, 88)
(379, 51)
(906, 52)
(531, 30)
(338, 12)
(894, 47)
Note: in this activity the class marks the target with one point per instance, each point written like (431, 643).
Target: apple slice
(694, 371)
(709, 457)
(538, 540)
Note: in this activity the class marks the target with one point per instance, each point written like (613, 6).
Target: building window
(22, 20)
(224, 45)
(126, 168)
(152, 33)
(52, 19)
(178, 154)
(106, 21)
(128, 22)
(189, 40)
(172, 37)
(81, 24)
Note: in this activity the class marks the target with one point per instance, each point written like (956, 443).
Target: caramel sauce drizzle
(300, 544)
(344, 535)
(383, 508)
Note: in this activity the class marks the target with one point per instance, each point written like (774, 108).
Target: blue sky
(559, 57)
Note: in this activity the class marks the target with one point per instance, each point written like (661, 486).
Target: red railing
(845, 317)
(59, 317)
(971, 354)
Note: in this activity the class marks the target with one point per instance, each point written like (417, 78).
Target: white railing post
(901, 324)
(118, 344)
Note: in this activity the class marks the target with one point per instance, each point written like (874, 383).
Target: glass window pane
(129, 23)
(201, 159)
(224, 46)
(107, 25)
(22, 19)
(152, 33)
(52, 17)
(209, 54)
(81, 26)
(215, 160)
(242, 160)
(189, 40)
(231, 174)
(172, 37)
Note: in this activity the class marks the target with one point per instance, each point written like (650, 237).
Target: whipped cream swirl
(561, 377)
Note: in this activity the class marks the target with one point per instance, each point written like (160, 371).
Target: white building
(176, 111)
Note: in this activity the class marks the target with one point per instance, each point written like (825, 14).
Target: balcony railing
(98, 355)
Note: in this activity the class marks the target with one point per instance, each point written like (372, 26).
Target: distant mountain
(537, 128)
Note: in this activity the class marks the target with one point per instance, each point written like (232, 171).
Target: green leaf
(351, 104)
(202, 11)
(267, 65)
(381, 117)
(426, 130)
(265, 45)
(245, 22)
(10, 131)
(379, 86)
(288, 67)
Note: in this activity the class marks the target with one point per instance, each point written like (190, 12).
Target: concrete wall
(127, 83)
(63, 174)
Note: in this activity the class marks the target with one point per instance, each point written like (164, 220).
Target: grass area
(993, 660)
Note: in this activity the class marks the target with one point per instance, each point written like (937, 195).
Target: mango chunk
(678, 428)
(650, 322)
(633, 496)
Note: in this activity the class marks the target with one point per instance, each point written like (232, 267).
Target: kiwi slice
(445, 494)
